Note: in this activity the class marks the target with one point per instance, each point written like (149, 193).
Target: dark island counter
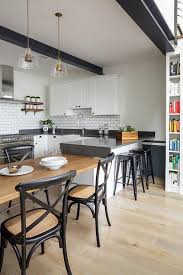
(99, 146)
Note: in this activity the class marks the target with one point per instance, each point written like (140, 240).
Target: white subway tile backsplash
(88, 121)
(12, 119)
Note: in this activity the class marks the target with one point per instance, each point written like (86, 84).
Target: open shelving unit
(174, 119)
(35, 110)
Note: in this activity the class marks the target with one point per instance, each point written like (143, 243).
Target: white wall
(142, 95)
(30, 84)
(12, 119)
(167, 9)
(36, 83)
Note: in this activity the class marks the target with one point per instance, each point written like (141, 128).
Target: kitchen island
(100, 147)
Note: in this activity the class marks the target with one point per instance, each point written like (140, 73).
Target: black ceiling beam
(41, 48)
(159, 17)
(143, 17)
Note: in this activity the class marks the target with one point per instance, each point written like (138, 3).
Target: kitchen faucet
(80, 119)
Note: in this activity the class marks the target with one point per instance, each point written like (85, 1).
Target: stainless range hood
(7, 85)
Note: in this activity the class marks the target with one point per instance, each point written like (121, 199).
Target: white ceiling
(167, 11)
(98, 31)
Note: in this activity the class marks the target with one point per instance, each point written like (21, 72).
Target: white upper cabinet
(80, 94)
(98, 93)
(76, 89)
(105, 93)
(59, 99)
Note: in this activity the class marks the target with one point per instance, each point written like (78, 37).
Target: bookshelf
(174, 159)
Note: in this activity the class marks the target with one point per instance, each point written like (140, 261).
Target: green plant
(127, 128)
(48, 122)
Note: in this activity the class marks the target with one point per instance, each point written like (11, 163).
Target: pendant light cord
(58, 37)
(28, 24)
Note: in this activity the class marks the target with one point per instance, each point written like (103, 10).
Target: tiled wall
(12, 119)
(83, 118)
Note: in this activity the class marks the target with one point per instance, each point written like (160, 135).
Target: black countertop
(104, 142)
(87, 132)
(97, 147)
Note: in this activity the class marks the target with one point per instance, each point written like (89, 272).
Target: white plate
(23, 171)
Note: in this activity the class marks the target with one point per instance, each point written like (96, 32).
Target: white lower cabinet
(50, 143)
(54, 142)
(40, 145)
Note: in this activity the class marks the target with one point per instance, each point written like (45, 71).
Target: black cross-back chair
(88, 195)
(20, 153)
(38, 225)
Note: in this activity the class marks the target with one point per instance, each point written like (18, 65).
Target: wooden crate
(127, 135)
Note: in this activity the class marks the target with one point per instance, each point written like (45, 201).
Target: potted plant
(127, 133)
(48, 123)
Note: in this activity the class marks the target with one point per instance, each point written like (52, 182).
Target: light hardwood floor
(146, 238)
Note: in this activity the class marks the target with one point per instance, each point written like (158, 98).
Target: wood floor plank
(146, 238)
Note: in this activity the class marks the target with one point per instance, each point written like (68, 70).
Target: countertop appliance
(13, 140)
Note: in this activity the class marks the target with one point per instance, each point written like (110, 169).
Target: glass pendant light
(27, 60)
(59, 69)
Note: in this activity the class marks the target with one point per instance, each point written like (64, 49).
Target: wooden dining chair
(20, 153)
(89, 195)
(38, 225)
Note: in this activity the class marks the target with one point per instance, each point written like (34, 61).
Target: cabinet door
(87, 93)
(105, 91)
(54, 142)
(75, 94)
(40, 145)
(80, 94)
(59, 99)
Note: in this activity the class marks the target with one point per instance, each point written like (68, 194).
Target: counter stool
(147, 163)
(131, 162)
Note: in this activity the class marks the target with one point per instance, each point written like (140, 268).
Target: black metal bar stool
(147, 163)
(129, 162)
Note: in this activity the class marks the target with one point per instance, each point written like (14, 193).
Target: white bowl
(53, 160)
(53, 165)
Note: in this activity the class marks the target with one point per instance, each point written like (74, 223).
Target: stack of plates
(53, 163)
